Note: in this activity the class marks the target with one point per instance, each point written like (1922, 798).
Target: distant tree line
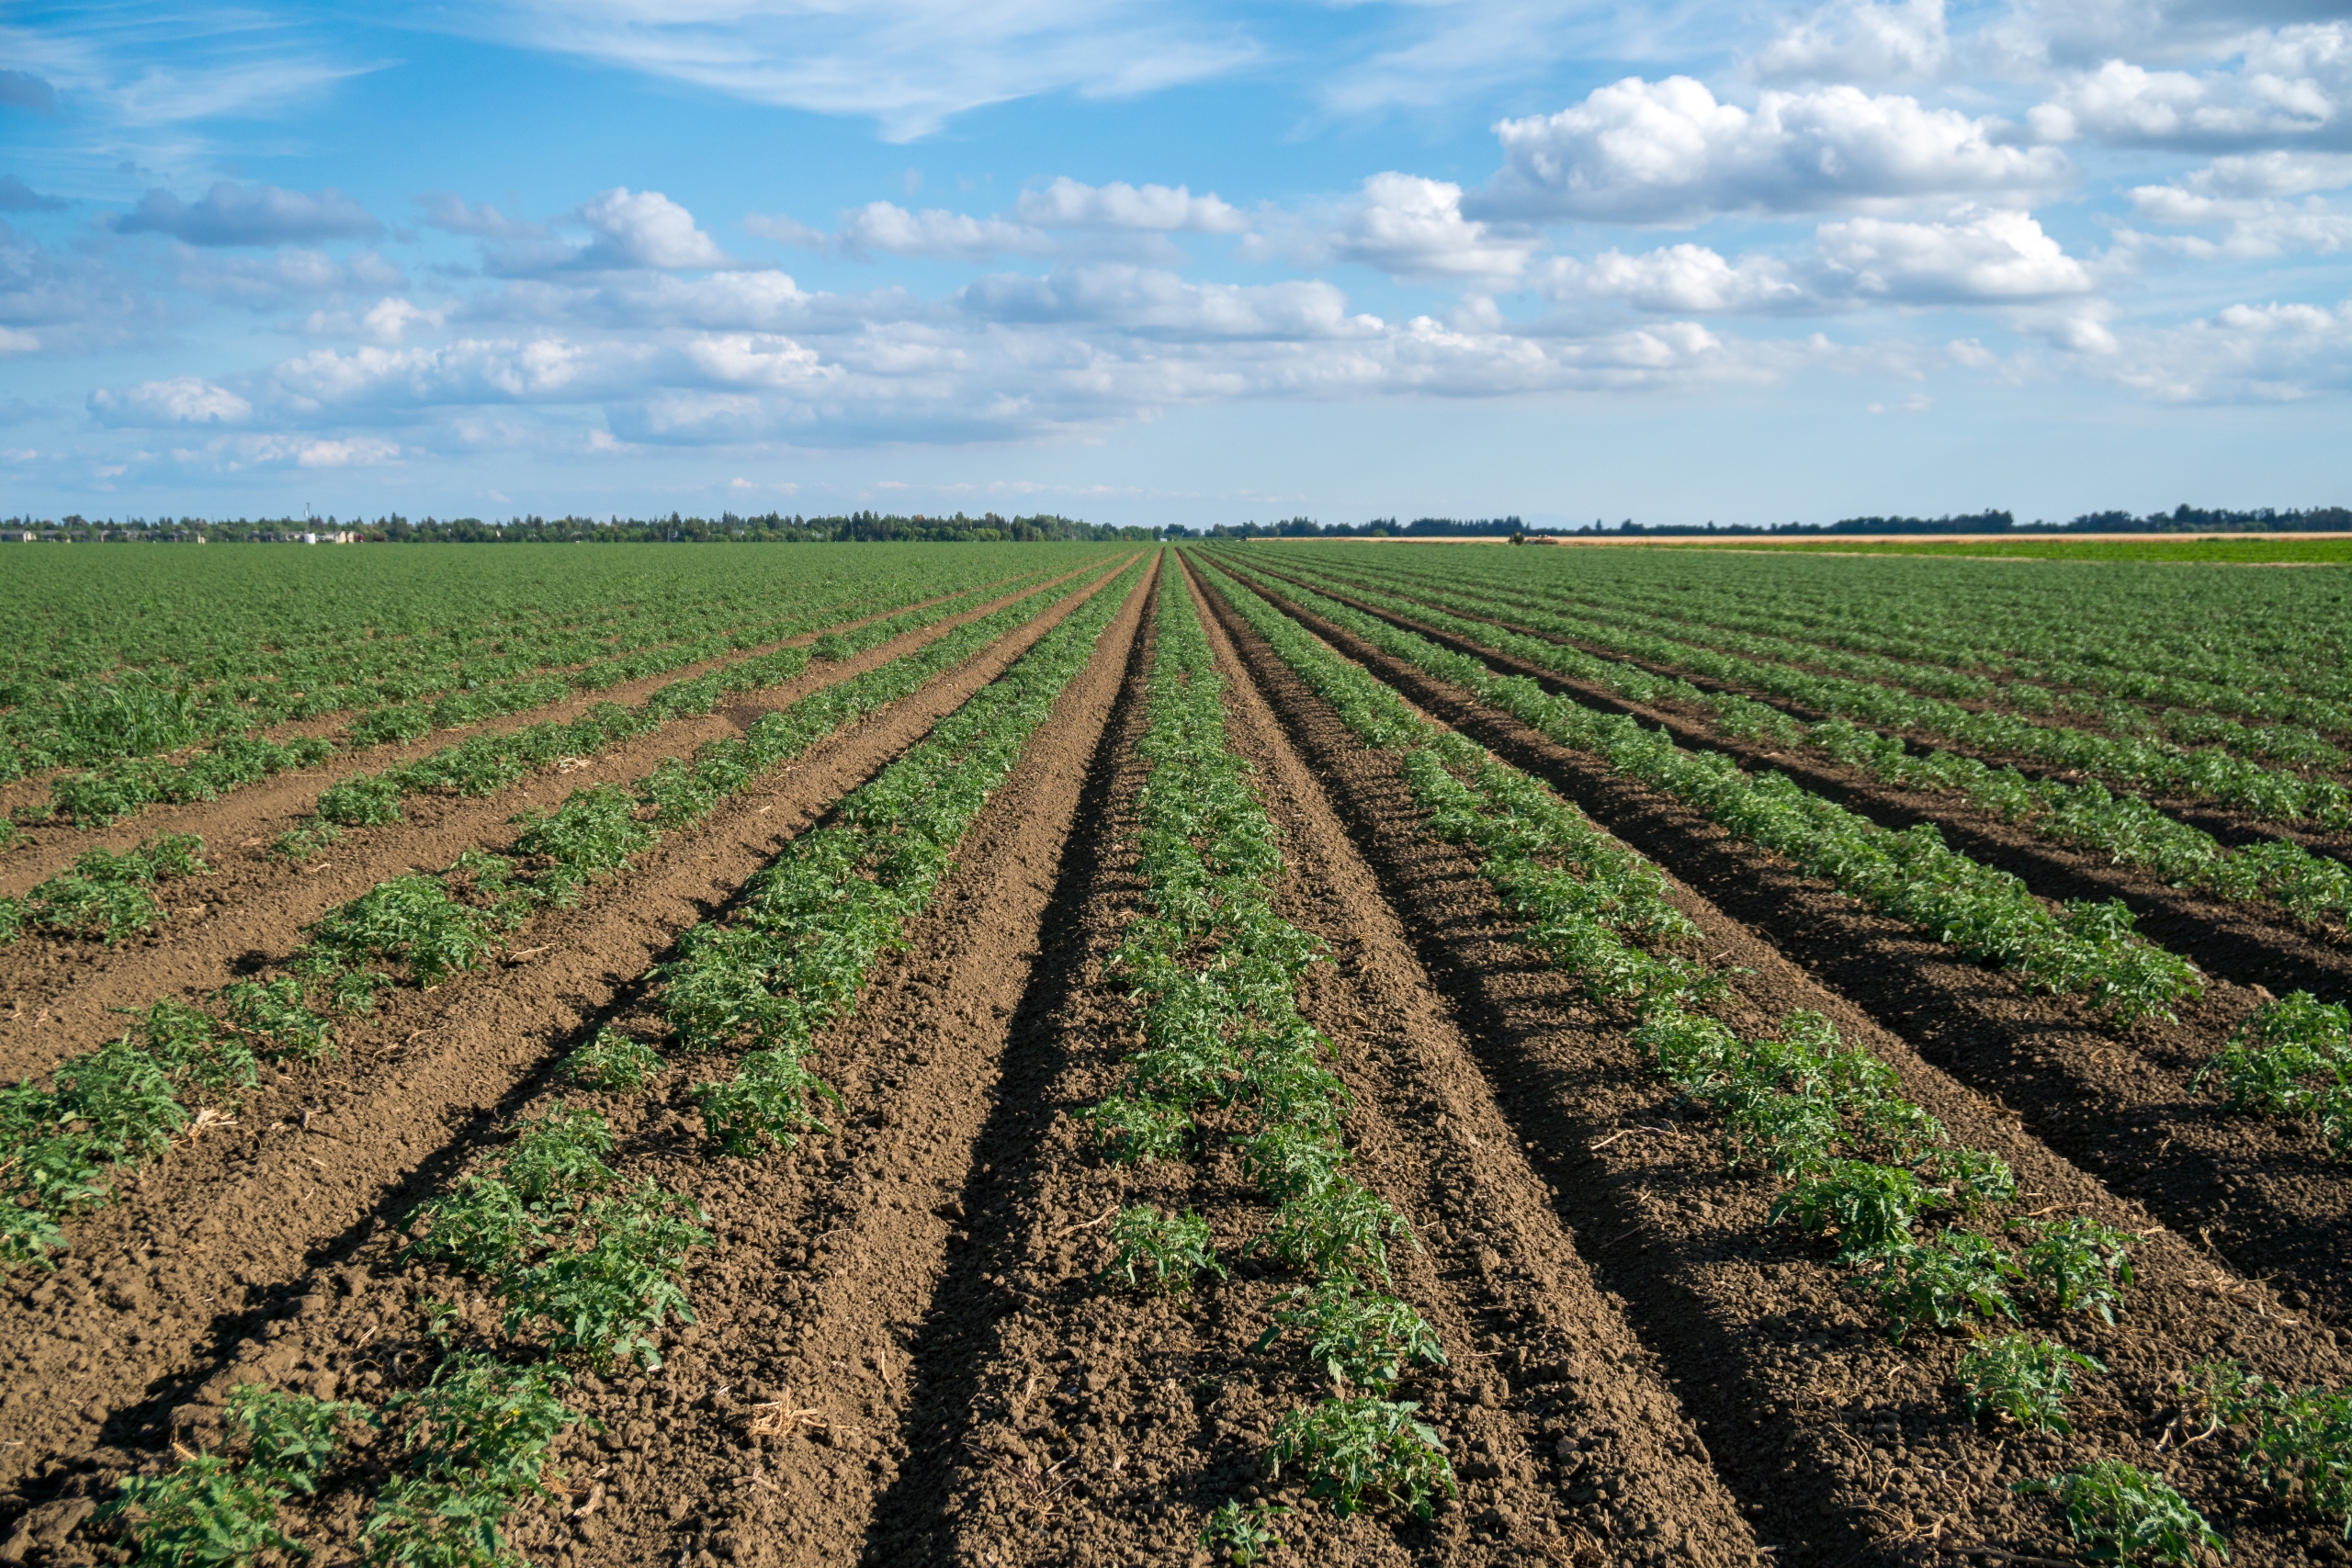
(726, 528)
(779, 528)
(1378, 528)
(2180, 520)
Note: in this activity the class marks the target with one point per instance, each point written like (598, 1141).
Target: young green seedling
(1242, 1534)
(1361, 1338)
(2079, 1263)
(1944, 1281)
(2128, 1515)
(1359, 1450)
(1160, 1252)
(612, 1062)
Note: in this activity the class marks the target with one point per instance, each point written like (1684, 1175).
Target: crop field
(1114, 1055)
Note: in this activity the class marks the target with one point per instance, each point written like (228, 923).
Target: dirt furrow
(2266, 1195)
(61, 994)
(1842, 1447)
(1065, 1422)
(215, 1237)
(1583, 1446)
(830, 1256)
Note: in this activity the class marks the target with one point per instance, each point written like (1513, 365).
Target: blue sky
(1176, 262)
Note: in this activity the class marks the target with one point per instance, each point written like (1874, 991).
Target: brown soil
(222, 1235)
(1842, 1447)
(2264, 1195)
(61, 994)
(903, 1355)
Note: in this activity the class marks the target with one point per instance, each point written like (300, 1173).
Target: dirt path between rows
(1843, 1449)
(2266, 1196)
(217, 1238)
(1060, 1421)
(62, 995)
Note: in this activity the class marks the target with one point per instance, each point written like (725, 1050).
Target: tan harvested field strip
(904, 1332)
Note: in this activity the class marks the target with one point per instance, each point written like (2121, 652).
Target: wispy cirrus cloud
(909, 66)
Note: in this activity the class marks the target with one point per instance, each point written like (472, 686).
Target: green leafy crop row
(2131, 762)
(575, 1255)
(487, 762)
(107, 895)
(2082, 815)
(236, 655)
(1216, 970)
(2084, 949)
(565, 1243)
(472, 1444)
(1722, 618)
(2293, 1059)
(1856, 1161)
(417, 929)
(809, 928)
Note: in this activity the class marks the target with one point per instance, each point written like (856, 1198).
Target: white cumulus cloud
(2264, 205)
(1152, 302)
(1676, 280)
(2273, 353)
(645, 229)
(182, 399)
(891, 230)
(1400, 224)
(2291, 85)
(1990, 256)
(1066, 204)
(1668, 152)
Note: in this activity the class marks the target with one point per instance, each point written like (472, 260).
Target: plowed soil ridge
(216, 1237)
(1065, 1422)
(2266, 1196)
(62, 993)
(1842, 1447)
